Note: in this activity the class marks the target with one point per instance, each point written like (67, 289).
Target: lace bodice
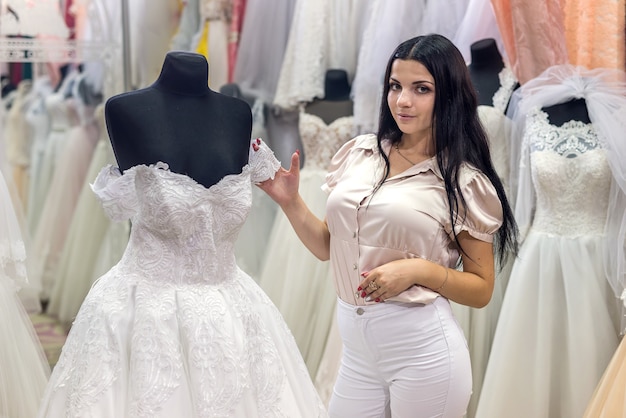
(507, 84)
(322, 141)
(570, 174)
(180, 228)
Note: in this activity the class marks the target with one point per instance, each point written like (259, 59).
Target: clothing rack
(37, 50)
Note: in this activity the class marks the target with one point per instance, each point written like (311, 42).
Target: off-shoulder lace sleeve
(116, 192)
(263, 162)
(483, 216)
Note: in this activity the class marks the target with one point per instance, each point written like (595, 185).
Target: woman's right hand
(283, 189)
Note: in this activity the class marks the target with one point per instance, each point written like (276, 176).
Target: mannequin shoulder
(234, 105)
(128, 99)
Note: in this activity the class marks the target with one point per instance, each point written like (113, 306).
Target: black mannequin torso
(485, 69)
(575, 109)
(180, 121)
(336, 102)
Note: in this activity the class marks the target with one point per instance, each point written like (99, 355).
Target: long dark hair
(458, 134)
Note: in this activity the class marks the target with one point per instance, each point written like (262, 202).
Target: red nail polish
(298, 151)
(258, 141)
(363, 294)
(377, 299)
(360, 288)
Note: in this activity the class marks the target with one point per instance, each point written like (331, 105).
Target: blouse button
(354, 266)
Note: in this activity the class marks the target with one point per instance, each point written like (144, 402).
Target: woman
(406, 207)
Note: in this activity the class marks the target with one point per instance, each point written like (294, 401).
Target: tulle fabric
(74, 275)
(71, 166)
(479, 22)
(267, 23)
(604, 91)
(24, 369)
(557, 332)
(62, 118)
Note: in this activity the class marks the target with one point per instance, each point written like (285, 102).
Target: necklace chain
(402, 155)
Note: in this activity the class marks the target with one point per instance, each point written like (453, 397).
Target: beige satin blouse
(406, 218)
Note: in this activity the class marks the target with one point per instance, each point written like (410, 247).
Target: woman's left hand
(388, 280)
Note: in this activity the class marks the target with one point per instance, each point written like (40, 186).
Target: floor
(51, 334)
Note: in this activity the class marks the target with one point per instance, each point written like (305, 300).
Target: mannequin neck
(184, 73)
(336, 85)
(485, 55)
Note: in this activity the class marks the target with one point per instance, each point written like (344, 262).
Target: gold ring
(373, 286)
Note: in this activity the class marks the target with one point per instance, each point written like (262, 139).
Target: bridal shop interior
(551, 91)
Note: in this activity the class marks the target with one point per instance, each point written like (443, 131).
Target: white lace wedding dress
(558, 326)
(176, 329)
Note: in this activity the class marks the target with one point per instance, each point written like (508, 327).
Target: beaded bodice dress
(560, 268)
(320, 140)
(571, 176)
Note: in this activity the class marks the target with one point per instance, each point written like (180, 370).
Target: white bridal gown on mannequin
(176, 328)
(557, 329)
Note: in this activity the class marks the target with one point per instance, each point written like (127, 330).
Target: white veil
(604, 91)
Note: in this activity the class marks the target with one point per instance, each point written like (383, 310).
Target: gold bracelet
(444, 281)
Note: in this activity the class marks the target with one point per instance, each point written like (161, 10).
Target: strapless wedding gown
(176, 328)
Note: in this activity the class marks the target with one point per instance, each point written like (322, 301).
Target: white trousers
(401, 361)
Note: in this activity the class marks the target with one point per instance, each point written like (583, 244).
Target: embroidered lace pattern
(322, 141)
(507, 85)
(571, 176)
(176, 310)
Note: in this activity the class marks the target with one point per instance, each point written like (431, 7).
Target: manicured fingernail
(360, 288)
(377, 300)
(363, 294)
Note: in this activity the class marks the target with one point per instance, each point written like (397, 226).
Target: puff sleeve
(344, 158)
(483, 214)
(116, 192)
